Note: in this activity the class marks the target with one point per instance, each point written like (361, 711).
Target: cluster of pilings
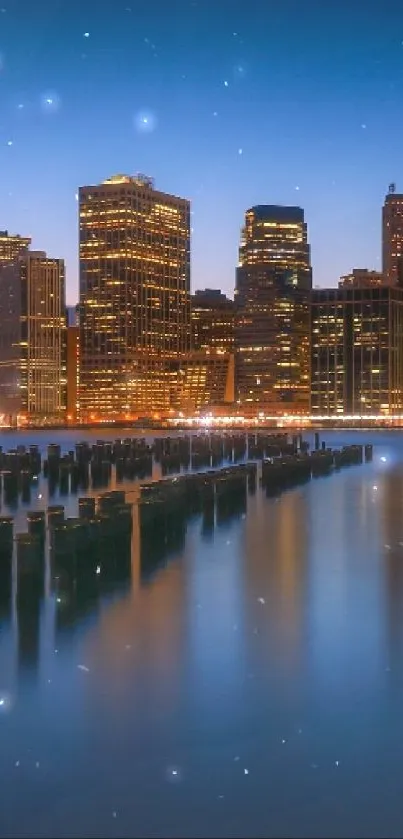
(96, 543)
(286, 472)
(18, 469)
(166, 506)
(93, 463)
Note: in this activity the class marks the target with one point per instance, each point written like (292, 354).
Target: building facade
(362, 278)
(205, 383)
(213, 321)
(357, 351)
(73, 368)
(32, 338)
(134, 297)
(392, 237)
(272, 332)
(11, 246)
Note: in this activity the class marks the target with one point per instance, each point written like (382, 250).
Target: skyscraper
(212, 321)
(273, 282)
(357, 351)
(32, 338)
(392, 237)
(11, 245)
(134, 296)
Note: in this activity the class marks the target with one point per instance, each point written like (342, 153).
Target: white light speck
(17, 763)
(336, 763)
(20, 106)
(98, 571)
(246, 771)
(297, 188)
(145, 122)
(114, 814)
(236, 758)
(76, 196)
(225, 83)
(240, 151)
(58, 599)
(283, 741)
(2, 701)
(388, 548)
(56, 651)
(10, 143)
(40, 496)
(86, 34)
(174, 774)
(37, 764)
(83, 667)
(375, 488)
(383, 459)
(228, 542)
(261, 600)
(50, 103)
(363, 125)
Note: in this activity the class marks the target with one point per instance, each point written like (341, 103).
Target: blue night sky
(245, 101)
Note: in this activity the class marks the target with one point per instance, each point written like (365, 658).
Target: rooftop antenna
(392, 189)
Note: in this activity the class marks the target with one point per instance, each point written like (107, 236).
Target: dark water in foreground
(251, 686)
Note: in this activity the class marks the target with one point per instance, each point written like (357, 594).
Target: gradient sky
(246, 101)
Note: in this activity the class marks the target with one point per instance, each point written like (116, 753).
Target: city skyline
(240, 115)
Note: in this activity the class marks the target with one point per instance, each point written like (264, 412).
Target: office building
(134, 297)
(72, 361)
(11, 246)
(392, 237)
(362, 278)
(205, 383)
(213, 321)
(357, 351)
(32, 338)
(273, 283)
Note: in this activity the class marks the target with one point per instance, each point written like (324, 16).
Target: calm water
(252, 684)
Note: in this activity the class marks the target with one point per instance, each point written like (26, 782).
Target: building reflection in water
(345, 584)
(390, 502)
(276, 548)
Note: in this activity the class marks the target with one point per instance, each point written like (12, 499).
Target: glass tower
(273, 282)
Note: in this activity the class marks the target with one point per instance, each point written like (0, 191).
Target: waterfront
(249, 685)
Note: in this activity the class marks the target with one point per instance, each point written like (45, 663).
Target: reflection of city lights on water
(5, 703)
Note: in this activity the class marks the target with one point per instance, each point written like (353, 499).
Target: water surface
(251, 683)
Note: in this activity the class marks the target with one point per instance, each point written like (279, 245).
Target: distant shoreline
(168, 429)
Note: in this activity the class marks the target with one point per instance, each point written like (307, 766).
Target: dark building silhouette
(392, 237)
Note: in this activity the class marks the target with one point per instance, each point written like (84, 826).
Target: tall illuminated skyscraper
(32, 338)
(273, 283)
(392, 237)
(11, 246)
(134, 297)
